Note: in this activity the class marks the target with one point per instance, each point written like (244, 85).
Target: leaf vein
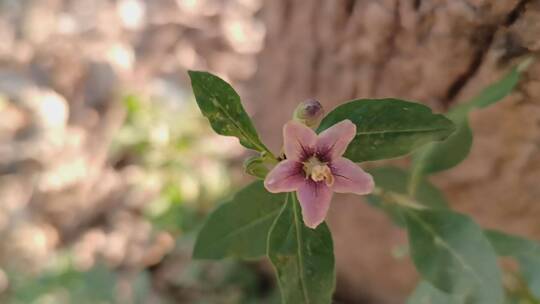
(400, 131)
(248, 226)
(456, 255)
(237, 126)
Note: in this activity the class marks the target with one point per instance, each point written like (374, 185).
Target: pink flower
(315, 168)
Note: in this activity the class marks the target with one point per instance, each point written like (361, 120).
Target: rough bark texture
(435, 52)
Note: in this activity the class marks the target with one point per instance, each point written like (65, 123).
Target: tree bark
(435, 52)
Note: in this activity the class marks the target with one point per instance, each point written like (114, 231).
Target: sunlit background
(107, 167)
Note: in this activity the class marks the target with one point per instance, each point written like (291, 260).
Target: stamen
(318, 171)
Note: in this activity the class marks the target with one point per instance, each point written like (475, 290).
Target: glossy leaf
(238, 228)
(451, 252)
(446, 154)
(526, 252)
(220, 103)
(393, 180)
(388, 128)
(302, 257)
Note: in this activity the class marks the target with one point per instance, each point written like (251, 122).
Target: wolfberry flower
(314, 168)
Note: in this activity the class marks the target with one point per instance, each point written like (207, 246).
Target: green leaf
(220, 103)
(392, 183)
(425, 293)
(302, 257)
(526, 252)
(498, 90)
(440, 156)
(451, 252)
(96, 285)
(395, 180)
(511, 245)
(239, 228)
(388, 128)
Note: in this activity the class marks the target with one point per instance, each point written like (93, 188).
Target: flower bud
(309, 112)
(255, 166)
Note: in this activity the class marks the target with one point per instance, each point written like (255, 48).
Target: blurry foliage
(62, 283)
(170, 145)
(168, 150)
(229, 282)
(165, 168)
(517, 291)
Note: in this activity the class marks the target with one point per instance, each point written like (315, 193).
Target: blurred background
(107, 168)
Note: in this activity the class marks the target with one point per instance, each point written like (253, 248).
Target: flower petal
(285, 177)
(335, 139)
(350, 178)
(314, 199)
(298, 140)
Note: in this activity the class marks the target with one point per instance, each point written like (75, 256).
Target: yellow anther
(318, 171)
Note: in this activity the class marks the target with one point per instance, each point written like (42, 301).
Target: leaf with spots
(302, 257)
(452, 253)
(388, 128)
(220, 103)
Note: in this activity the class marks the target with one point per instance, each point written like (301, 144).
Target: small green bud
(268, 158)
(256, 166)
(309, 112)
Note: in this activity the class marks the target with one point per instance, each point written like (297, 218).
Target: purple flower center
(316, 169)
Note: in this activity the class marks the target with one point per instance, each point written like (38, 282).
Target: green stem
(269, 158)
(300, 246)
(416, 175)
(390, 197)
